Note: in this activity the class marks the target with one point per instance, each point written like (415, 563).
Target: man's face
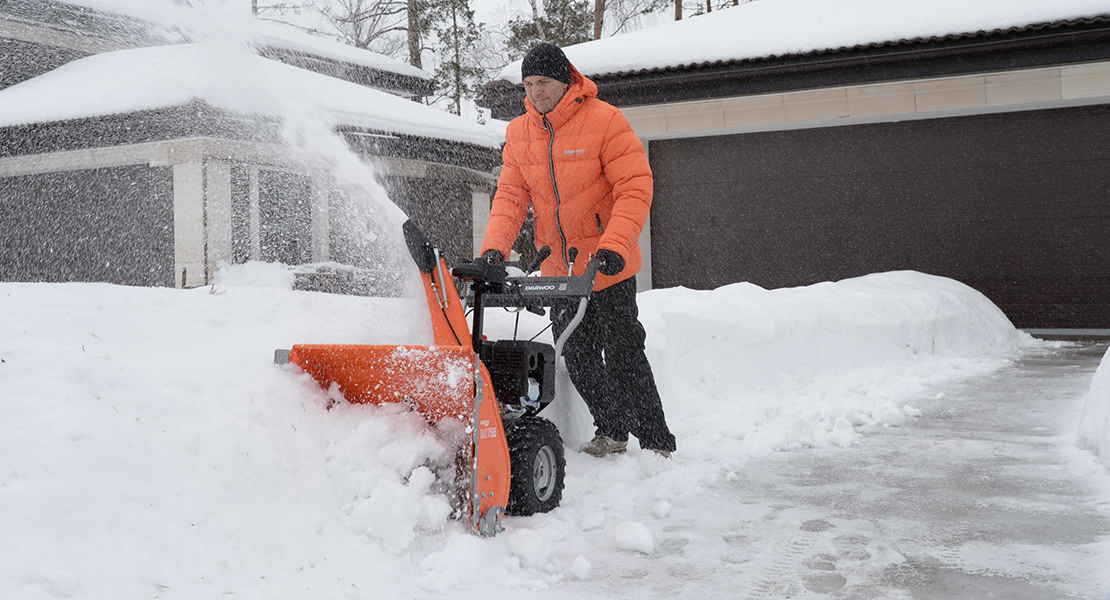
(544, 92)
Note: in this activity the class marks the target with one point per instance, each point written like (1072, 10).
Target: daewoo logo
(578, 151)
(532, 288)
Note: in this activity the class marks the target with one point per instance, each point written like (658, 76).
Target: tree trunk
(599, 14)
(458, 61)
(708, 6)
(677, 10)
(414, 34)
(254, 7)
(537, 21)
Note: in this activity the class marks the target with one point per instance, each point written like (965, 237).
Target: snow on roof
(224, 76)
(221, 22)
(767, 28)
(290, 39)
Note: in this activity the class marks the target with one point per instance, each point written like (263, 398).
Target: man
(576, 160)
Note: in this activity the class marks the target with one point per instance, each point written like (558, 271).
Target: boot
(602, 445)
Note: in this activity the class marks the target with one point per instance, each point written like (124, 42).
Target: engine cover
(517, 367)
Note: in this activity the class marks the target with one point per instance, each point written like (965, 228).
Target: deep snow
(151, 448)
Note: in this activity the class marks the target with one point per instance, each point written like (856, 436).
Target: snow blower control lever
(510, 459)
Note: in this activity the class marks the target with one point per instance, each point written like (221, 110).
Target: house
(132, 154)
(799, 141)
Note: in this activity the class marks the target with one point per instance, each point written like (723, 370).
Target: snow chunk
(533, 550)
(581, 568)
(633, 535)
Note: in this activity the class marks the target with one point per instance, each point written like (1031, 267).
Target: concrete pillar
(255, 215)
(480, 206)
(643, 278)
(188, 224)
(321, 250)
(217, 195)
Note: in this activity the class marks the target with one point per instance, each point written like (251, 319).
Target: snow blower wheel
(536, 453)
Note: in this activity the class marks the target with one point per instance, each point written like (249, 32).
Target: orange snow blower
(510, 460)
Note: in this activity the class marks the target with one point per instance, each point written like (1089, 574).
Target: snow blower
(510, 459)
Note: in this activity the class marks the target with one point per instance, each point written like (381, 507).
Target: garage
(1016, 205)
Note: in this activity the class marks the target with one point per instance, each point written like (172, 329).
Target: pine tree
(458, 76)
(565, 22)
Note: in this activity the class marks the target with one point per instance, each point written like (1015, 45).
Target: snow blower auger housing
(511, 460)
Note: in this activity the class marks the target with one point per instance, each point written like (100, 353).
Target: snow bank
(742, 336)
(747, 369)
(784, 27)
(151, 448)
(1094, 422)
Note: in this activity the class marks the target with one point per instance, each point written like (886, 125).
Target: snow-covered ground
(150, 448)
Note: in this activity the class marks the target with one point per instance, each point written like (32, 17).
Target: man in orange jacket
(577, 162)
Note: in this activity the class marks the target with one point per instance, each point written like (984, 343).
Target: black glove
(494, 257)
(609, 263)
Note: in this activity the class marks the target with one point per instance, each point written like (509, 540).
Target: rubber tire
(534, 443)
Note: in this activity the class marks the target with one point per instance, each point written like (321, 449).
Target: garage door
(1016, 205)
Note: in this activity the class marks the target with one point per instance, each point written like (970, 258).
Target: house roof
(203, 23)
(225, 77)
(767, 29)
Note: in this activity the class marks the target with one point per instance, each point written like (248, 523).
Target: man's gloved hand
(494, 257)
(609, 263)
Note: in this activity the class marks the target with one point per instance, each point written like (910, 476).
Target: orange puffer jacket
(599, 196)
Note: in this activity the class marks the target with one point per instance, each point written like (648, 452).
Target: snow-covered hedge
(1094, 422)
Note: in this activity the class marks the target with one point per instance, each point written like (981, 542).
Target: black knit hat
(547, 60)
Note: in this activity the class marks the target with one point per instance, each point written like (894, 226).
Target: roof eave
(1028, 47)
(407, 85)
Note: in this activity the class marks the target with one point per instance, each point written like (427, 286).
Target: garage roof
(781, 28)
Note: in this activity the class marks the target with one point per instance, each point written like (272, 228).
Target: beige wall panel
(1086, 81)
(816, 105)
(869, 101)
(647, 120)
(754, 111)
(1041, 85)
(949, 94)
(695, 116)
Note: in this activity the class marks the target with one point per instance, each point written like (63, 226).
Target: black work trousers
(607, 364)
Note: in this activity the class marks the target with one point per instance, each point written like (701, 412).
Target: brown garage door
(1016, 205)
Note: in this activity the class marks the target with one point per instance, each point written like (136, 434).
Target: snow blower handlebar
(492, 288)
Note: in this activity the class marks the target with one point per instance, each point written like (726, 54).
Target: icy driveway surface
(984, 496)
